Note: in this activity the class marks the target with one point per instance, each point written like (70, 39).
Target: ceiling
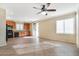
(25, 11)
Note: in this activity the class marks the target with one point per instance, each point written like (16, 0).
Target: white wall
(2, 27)
(35, 29)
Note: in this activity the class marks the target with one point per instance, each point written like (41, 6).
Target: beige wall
(2, 27)
(77, 28)
(47, 29)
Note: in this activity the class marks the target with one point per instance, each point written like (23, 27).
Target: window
(19, 26)
(60, 26)
(65, 26)
(69, 26)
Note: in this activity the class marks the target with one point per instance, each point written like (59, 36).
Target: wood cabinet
(11, 23)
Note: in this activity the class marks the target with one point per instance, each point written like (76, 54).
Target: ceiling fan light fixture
(43, 13)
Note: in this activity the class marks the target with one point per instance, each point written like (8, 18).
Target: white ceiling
(26, 12)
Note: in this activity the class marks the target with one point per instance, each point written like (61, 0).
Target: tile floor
(38, 47)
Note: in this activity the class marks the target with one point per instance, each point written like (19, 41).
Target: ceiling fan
(44, 9)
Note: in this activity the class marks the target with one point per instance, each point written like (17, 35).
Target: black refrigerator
(9, 32)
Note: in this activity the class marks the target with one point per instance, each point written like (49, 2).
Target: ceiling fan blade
(43, 7)
(39, 12)
(36, 8)
(48, 4)
(51, 10)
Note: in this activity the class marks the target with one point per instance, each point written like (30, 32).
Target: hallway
(38, 47)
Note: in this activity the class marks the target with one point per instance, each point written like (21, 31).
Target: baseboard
(56, 40)
(1, 45)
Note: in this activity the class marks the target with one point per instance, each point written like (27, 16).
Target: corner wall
(77, 28)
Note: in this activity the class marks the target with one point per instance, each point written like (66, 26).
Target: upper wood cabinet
(11, 23)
